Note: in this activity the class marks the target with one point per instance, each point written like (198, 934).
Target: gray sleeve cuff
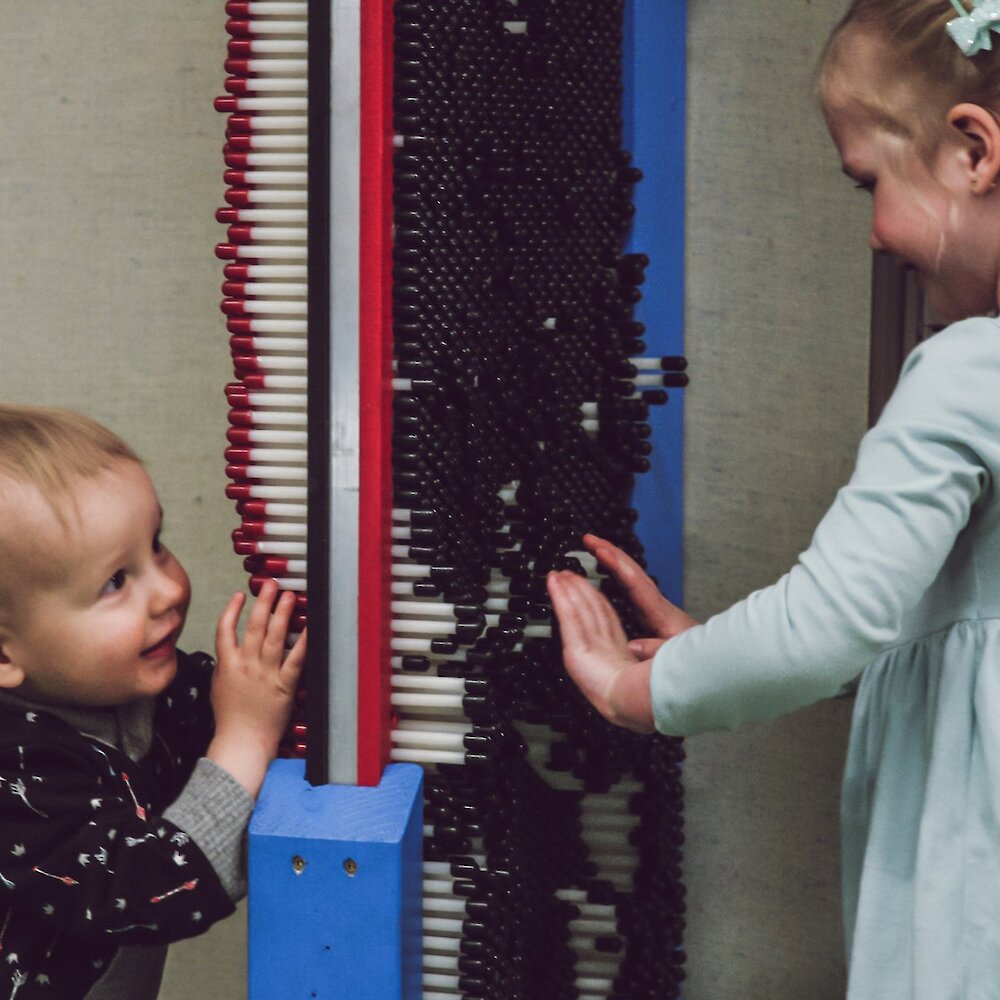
(214, 809)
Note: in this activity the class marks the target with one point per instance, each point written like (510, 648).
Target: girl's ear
(982, 136)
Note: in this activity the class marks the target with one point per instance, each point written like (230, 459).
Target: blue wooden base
(335, 888)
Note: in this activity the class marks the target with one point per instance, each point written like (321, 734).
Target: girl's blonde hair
(920, 60)
(48, 448)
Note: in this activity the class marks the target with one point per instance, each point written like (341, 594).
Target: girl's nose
(874, 242)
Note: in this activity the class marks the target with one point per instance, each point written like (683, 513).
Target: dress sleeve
(82, 853)
(920, 471)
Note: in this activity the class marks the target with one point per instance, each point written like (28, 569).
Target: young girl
(902, 578)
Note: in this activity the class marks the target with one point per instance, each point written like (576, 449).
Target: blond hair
(921, 63)
(48, 448)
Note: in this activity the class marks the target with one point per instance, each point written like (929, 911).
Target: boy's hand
(254, 684)
(597, 655)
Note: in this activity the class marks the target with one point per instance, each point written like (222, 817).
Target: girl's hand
(597, 655)
(254, 684)
(662, 618)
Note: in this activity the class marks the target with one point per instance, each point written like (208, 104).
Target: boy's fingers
(277, 624)
(283, 606)
(225, 632)
(291, 667)
(260, 613)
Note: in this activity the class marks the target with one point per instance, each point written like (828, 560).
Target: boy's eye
(868, 186)
(115, 582)
(157, 544)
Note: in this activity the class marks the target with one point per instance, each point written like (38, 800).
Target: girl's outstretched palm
(612, 672)
(663, 618)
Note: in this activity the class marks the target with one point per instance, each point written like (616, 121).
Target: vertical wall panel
(777, 334)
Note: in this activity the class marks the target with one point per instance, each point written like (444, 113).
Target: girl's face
(923, 211)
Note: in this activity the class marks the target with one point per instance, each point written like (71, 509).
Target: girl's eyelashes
(868, 186)
(157, 544)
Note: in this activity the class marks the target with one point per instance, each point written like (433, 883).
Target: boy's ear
(982, 135)
(11, 675)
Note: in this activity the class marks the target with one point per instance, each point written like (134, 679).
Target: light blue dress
(901, 580)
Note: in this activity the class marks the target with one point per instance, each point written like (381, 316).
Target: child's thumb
(645, 649)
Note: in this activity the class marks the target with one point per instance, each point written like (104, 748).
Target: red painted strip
(375, 282)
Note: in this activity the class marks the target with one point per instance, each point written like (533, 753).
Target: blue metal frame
(654, 115)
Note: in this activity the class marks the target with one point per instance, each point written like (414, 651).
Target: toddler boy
(123, 796)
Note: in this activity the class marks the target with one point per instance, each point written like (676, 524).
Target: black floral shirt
(87, 863)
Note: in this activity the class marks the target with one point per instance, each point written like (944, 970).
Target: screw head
(298, 864)
(351, 867)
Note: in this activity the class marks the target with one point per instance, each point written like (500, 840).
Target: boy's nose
(171, 589)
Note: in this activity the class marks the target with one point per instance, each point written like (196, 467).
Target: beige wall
(777, 337)
(110, 173)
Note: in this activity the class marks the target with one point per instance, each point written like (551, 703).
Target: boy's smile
(100, 602)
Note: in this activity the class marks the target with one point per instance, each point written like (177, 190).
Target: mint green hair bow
(971, 31)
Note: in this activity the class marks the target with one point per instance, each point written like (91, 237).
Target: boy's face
(100, 602)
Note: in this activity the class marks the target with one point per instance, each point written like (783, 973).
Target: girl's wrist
(629, 701)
